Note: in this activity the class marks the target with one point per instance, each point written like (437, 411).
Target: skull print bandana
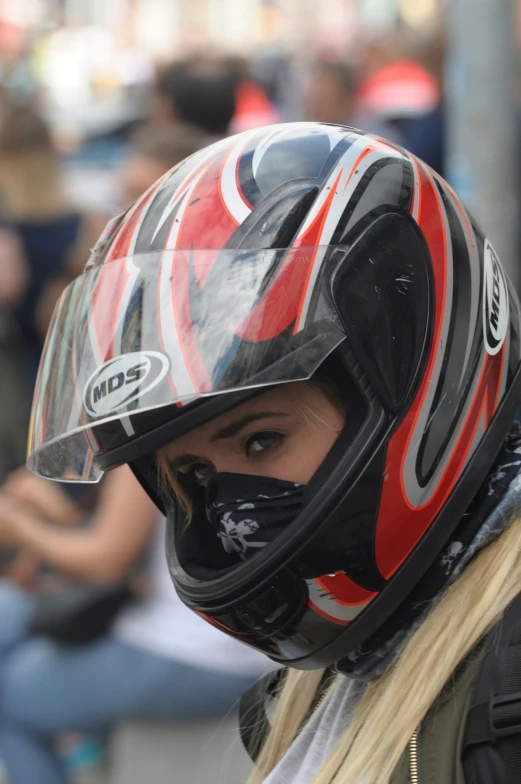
(490, 513)
(248, 512)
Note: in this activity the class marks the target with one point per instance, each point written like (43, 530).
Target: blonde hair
(169, 484)
(30, 179)
(379, 731)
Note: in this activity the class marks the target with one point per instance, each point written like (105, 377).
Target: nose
(235, 465)
(219, 463)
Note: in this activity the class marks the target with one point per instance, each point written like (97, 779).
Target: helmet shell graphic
(258, 261)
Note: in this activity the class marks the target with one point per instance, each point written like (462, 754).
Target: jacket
(439, 743)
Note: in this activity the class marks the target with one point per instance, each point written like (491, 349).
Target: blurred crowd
(54, 199)
(84, 591)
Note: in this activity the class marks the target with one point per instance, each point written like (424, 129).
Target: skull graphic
(234, 534)
(452, 552)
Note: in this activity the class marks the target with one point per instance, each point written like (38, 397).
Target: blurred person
(426, 138)
(401, 90)
(37, 209)
(197, 91)
(155, 149)
(280, 76)
(400, 72)
(51, 290)
(158, 661)
(330, 97)
(401, 81)
(14, 273)
(331, 93)
(14, 391)
(253, 107)
(15, 399)
(408, 97)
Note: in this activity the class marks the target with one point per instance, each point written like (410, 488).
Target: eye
(201, 472)
(259, 443)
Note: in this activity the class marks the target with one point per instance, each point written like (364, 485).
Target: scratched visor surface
(139, 333)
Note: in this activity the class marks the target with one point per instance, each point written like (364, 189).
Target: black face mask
(249, 512)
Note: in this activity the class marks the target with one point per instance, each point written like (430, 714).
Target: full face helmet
(259, 261)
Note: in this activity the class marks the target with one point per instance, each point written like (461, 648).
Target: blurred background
(97, 99)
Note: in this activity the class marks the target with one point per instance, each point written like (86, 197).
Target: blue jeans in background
(46, 688)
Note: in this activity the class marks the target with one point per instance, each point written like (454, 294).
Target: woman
(38, 210)
(154, 149)
(308, 353)
(157, 660)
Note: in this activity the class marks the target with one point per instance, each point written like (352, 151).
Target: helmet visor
(143, 332)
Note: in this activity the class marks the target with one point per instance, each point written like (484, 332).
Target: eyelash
(190, 472)
(247, 444)
(277, 436)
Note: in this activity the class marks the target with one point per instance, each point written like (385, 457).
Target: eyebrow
(227, 432)
(235, 427)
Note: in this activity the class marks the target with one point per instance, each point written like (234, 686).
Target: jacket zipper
(413, 758)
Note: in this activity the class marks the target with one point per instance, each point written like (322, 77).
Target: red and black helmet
(261, 260)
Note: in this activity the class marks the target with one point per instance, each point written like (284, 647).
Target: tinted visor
(140, 333)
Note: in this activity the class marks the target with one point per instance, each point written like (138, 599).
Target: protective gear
(258, 261)
(265, 508)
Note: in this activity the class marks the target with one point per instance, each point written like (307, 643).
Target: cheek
(305, 452)
(311, 453)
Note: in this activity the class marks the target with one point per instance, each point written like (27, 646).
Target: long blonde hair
(31, 184)
(393, 706)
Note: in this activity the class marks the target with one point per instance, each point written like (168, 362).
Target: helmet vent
(382, 293)
(277, 219)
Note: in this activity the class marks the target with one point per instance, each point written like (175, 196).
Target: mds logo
(495, 301)
(121, 380)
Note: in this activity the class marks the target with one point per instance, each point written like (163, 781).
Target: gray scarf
(490, 513)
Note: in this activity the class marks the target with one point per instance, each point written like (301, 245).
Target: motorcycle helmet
(265, 259)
